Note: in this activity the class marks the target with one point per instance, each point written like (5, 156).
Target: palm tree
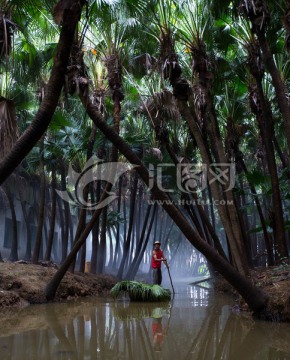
(261, 107)
(258, 13)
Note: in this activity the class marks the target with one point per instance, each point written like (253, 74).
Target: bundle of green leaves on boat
(139, 291)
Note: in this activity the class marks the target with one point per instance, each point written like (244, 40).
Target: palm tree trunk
(133, 239)
(111, 257)
(243, 216)
(90, 148)
(47, 255)
(118, 224)
(83, 254)
(95, 232)
(51, 288)
(283, 159)
(144, 245)
(213, 220)
(235, 246)
(267, 238)
(231, 210)
(26, 218)
(278, 83)
(168, 236)
(80, 227)
(83, 212)
(204, 218)
(65, 234)
(103, 240)
(133, 268)
(60, 216)
(125, 222)
(130, 225)
(265, 123)
(47, 108)
(39, 241)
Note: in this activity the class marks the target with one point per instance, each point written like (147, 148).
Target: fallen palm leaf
(139, 291)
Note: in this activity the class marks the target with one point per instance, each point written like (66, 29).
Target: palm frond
(139, 291)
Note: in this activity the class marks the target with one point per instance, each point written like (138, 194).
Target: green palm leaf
(139, 291)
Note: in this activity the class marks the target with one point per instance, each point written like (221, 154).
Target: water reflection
(197, 325)
(198, 294)
(159, 331)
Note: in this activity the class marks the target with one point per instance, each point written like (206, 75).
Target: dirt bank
(23, 284)
(275, 280)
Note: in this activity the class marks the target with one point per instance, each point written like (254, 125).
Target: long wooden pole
(170, 277)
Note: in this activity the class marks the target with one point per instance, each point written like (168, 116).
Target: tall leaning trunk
(39, 241)
(255, 297)
(231, 208)
(47, 108)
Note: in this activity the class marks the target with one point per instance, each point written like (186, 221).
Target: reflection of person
(157, 332)
(157, 258)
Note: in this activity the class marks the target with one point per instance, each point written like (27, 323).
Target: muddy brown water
(197, 324)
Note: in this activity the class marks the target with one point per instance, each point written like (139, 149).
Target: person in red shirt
(157, 258)
(157, 332)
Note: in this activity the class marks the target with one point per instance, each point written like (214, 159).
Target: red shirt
(157, 332)
(159, 255)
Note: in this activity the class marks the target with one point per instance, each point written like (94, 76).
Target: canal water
(198, 324)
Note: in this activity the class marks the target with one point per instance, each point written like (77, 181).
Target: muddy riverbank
(24, 284)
